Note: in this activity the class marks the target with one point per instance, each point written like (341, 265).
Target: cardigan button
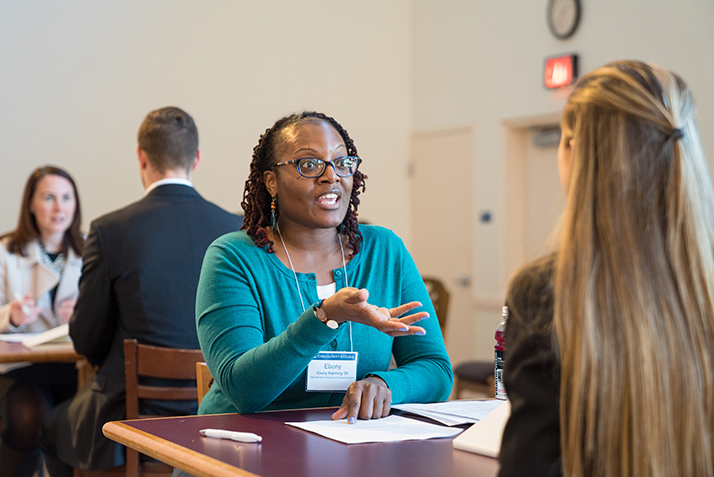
(333, 344)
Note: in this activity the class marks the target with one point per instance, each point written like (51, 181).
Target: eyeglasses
(312, 167)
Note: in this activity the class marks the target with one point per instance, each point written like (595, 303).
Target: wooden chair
(440, 298)
(475, 376)
(472, 375)
(156, 362)
(204, 380)
(84, 371)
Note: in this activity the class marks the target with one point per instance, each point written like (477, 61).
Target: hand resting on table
(369, 398)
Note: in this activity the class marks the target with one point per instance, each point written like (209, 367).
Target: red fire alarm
(561, 71)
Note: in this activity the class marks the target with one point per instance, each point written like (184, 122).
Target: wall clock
(563, 17)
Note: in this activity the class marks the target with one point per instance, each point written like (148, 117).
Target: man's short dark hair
(169, 138)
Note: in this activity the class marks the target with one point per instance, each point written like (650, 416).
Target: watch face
(563, 17)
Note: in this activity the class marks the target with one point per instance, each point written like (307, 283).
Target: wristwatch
(321, 315)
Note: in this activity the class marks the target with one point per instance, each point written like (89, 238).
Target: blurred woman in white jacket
(40, 266)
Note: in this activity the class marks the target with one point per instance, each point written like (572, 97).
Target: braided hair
(256, 199)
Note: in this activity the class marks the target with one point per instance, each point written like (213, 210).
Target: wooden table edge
(193, 462)
(44, 356)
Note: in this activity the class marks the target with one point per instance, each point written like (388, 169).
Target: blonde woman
(609, 346)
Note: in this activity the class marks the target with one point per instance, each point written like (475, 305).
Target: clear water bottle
(499, 348)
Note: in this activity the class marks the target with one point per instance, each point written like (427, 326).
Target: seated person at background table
(609, 361)
(141, 269)
(302, 277)
(40, 266)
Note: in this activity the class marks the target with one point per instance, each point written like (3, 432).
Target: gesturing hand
(370, 398)
(65, 310)
(350, 304)
(23, 311)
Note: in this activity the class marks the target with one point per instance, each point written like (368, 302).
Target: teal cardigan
(258, 342)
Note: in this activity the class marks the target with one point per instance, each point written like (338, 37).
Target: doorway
(535, 199)
(442, 204)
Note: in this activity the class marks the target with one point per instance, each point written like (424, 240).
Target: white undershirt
(326, 291)
(170, 180)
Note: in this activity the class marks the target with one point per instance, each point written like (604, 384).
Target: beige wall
(480, 63)
(78, 76)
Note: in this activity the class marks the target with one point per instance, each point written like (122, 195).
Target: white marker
(232, 435)
(25, 308)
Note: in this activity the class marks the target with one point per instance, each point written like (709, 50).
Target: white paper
(15, 337)
(445, 419)
(485, 436)
(55, 338)
(452, 413)
(387, 429)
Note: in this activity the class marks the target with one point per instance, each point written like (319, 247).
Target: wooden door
(442, 236)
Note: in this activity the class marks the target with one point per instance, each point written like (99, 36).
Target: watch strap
(321, 315)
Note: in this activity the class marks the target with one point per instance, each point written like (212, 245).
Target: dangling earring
(273, 220)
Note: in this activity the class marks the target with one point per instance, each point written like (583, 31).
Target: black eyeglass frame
(324, 165)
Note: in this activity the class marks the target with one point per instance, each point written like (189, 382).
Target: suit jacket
(141, 269)
(28, 276)
(531, 439)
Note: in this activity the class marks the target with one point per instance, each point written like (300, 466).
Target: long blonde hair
(634, 280)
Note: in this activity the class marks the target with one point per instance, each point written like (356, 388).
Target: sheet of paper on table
(57, 336)
(53, 339)
(452, 413)
(485, 436)
(15, 337)
(387, 429)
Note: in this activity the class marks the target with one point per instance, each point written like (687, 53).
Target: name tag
(332, 371)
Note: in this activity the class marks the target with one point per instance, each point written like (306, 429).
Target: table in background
(286, 450)
(18, 353)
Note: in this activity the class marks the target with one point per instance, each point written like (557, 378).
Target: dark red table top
(288, 451)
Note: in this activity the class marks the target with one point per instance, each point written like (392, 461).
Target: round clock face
(563, 17)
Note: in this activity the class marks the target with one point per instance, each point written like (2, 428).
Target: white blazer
(27, 276)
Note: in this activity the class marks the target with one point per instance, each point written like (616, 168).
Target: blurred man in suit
(141, 269)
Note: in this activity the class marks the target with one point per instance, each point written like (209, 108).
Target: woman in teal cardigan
(303, 277)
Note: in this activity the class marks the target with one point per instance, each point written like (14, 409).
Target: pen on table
(232, 435)
(25, 308)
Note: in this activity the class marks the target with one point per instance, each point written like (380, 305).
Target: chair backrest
(440, 298)
(204, 380)
(157, 362)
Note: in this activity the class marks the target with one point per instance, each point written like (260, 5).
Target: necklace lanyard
(297, 284)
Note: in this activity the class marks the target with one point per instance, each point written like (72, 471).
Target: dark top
(141, 269)
(531, 439)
